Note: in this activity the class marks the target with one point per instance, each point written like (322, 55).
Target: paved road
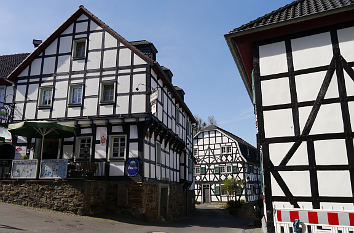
(206, 219)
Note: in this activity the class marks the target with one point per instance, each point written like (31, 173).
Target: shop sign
(154, 96)
(103, 139)
(153, 108)
(132, 167)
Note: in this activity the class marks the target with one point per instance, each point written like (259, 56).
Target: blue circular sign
(132, 167)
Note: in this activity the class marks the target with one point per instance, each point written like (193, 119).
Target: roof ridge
(1, 55)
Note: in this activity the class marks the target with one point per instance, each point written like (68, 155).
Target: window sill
(44, 107)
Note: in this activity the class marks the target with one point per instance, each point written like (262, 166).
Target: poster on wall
(53, 169)
(24, 169)
(132, 167)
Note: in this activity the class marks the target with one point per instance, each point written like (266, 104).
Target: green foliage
(230, 186)
(196, 202)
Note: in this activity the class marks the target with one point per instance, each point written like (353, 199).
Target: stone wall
(85, 197)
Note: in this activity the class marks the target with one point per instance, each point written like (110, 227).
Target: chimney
(36, 43)
(180, 92)
(168, 73)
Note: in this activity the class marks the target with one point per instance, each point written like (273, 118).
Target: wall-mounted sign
(18, 149)
(153, 108)
(154, 96)
(53, 168)
(24, 169)
(4, 113)
(132, 167)
(103, 139)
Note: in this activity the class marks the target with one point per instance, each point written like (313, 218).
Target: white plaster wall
(43, 113)
(24, 72)
(78, 65)
(334, 183)
(74, 111)
(63, 63)
(88, 110)
(278, 123)
(52, 48)
(122, 104)
(297, 181)
(138, 60)
(116, 169)
(94, 26)
(92, 86)
(117, 129)
(69, 29)
(138, 103)
(109, 58)
(32, 92)
(331, 152)
(109, 41)
(351, 112)
(18, 111)
(328, 120)
(30, 111)
(95, 40)
(146, 169)
(312, 51)
(106, 110)
(20, 93)
(48, 65)
(272, 58)
(124, 57)
(93, 60)
(139, 79)
(81, 27)
(65, 44)
(277, 152)
(308, 86)
(36, 66)
(123, 84)
(133, 132)
(346, 43)
(133, 150)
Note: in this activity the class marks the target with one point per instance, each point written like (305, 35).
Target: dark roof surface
(9, 62)
(140, 42)
(294, 10)
(251, 155)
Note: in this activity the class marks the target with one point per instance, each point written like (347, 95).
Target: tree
(211, 120)
(232, 186)
(202, 124)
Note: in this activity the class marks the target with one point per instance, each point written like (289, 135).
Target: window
(107, 92)
(195, 152)
(75, 95)
(45, 97)
(222, 169)
(223, 191)
(84, 147)
(226, 150)
(158, 152)
(2, 94)
(217, 190)
(235, 169)
(202, 170)
(79, 48)
(117, 147)
(217, 170)
(228, 169)
(197, 170)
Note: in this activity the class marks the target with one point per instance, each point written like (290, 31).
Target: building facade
(297, 65)
(221, 155)
(120, 100)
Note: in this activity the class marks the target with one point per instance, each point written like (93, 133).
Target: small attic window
(79, 48)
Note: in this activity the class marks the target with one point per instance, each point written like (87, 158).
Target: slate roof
(252, 157)
(295, 10)
(9, 62)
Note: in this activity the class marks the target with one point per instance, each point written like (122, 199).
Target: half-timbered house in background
(121, 102)
(222, 155)
(297, 66)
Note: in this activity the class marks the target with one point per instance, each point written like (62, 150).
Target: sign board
(153, 108)
(132, 167)
(154, 96)
(53, 168)
(24, 169)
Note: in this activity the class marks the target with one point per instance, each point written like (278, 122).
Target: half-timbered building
(121, 102)
(297, 66)
(222, 155)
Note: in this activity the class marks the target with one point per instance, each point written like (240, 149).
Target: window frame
(226, 150)
(196, 170)
(40, 99)
(222, 169)
(227, 167)
(110, 147)
(72, 86)
(74, 52)
(204, 172)
(104, 83)
(4, 91)
(78, 143)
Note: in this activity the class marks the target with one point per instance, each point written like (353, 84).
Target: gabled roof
(9, 62)
(294, 10)
(71, 19)
(242, 143)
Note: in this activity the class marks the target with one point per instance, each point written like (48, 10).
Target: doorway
(50, 148)
(163, 201)
(206, 193)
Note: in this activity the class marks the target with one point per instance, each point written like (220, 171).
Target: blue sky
(189, 35)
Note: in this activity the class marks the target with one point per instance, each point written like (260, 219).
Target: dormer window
(79, 48)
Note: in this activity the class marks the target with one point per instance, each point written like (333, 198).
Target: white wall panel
(81, 27)
(146, 169)
(94, 26)
(93, 60)
(18, 111)
(308, 86)
(328, 120)
(146, 151)
(92, 86)
(65, 44)
(138, 60)
(88, 109)
(24, 72)
(100, 149)
(20, 92)
(331, 152)
(74, 111)
(152, 169)
(116, 168)
(59, 108)
(106, 110)
(297, 181)
(349, 84)
(122, 104)
(78, 65)
(278, 123)
(69, 29)
(351, 112)
(138, 103)
(334, 183)
(30, 111)
(36, 66)
(139, 79)
(133, 150)
(346, 43)
(32, 92)
(277, 152)
(43, 113)
(117, 129)
(275, 91)
(133, 132)
(124, 57)
(48, 65)
(82, 17)
(61, 89)
(63, 63)
(123, 84)
(109, 41)
(272, 58)
(109, 58)
(312, 51)
(52, 48)
(95, 40)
